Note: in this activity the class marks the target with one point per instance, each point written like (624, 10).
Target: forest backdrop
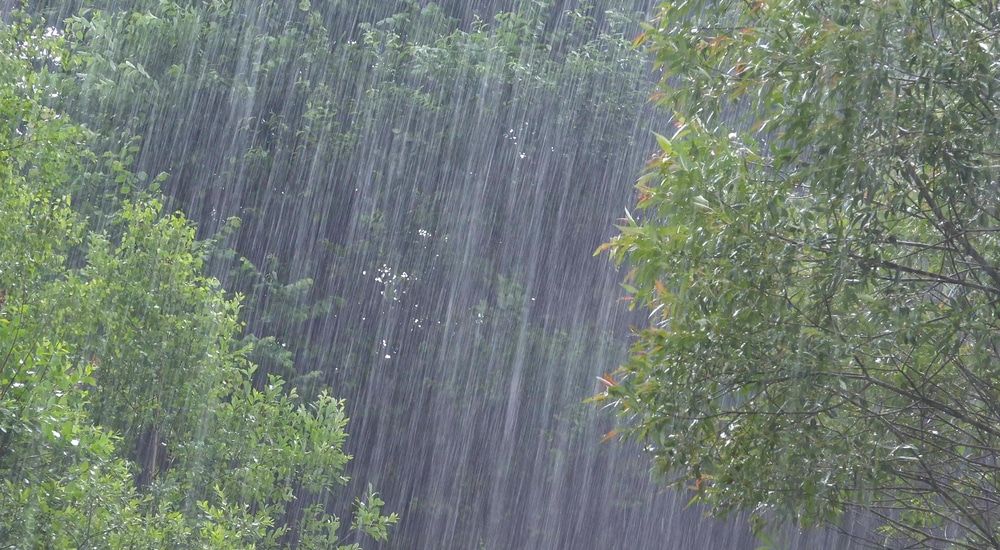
(217, 214)
(419, 187)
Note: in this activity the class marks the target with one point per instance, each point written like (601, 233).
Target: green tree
(127, 415)
(817, 243)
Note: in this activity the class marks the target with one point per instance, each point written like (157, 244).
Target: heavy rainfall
(293, 274)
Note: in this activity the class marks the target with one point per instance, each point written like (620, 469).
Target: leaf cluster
(817, 244)
(128, 416)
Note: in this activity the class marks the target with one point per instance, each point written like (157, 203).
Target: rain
(408, 196)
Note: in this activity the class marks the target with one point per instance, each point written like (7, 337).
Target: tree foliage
(127, 413)
(817, 242)
(387, 160)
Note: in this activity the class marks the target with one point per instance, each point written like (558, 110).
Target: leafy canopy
(127, 413)
(817, 243)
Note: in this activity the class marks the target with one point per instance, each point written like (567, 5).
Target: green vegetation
(819, 245)
(195, 374)
(309, 138)
(310, 143)
(127, 413)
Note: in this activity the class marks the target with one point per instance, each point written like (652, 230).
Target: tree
(817, 243)
(352, 138)
(127, 416)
